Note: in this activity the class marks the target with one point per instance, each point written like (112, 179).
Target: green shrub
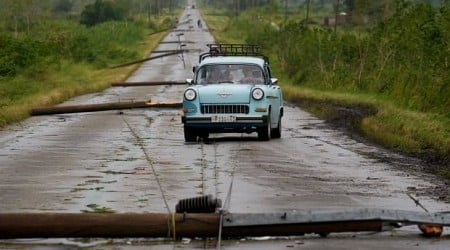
(18, 53)
(102, 11)
(406, 58)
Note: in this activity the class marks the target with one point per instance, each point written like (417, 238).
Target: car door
(273, 97)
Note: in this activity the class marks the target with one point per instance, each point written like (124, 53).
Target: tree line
(21, 15)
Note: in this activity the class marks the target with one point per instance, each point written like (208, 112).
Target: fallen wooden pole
(177, 42)
(101, 107)
(146, 59)
(169, 50)
(137, 84)
(47, 225)
(182, 30)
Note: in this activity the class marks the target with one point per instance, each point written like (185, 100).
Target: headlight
(257, 94)
(190, 94)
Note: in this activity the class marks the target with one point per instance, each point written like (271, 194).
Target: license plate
(228, 118)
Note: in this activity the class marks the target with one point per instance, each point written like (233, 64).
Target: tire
(264, 132)
(190, 135)
(204, 135)
(276, 132)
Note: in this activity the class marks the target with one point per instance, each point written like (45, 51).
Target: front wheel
(190, 134)
(264, 132)
(276, 132)
(204, 135)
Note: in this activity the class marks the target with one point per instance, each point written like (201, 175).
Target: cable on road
(227, 203)
(149, 161)
(171, 218)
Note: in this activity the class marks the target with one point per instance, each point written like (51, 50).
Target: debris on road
(102, 107)
(147, 59)
(138, 84)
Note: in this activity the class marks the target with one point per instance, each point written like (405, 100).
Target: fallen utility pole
(46, 225)
(138, 84)
(177, 225)
(172, 50)
(182, 30)
(101, 107)
(185, 22)
(147, 59)
(176, 42)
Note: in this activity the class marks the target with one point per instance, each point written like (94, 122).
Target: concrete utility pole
(386, 9)
(307, 12)
(336, 14)
(285, 11)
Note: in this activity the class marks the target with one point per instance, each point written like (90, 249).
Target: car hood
(224, 93)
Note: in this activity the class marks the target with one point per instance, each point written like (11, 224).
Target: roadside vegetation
(52, 51)
(388, 64)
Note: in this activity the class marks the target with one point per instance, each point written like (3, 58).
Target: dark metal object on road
(417, 202)
(101, 107)
(201, 204)
(137, 84)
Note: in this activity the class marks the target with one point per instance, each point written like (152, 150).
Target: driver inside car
(213, 75)
(252, 75)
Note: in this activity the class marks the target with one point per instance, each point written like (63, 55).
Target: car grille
(224, 109)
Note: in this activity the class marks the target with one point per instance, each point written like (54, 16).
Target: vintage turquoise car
(232, 92)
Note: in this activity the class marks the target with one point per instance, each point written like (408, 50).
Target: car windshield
(230, 73)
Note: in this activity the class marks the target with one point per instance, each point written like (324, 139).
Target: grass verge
(62, 82)
(424, 135)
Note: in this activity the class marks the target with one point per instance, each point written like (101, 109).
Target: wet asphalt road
(107, 160)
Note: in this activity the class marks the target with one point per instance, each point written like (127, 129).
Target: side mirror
(274, 80)
(190, 81)
(194, 69)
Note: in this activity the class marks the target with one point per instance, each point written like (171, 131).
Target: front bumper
(239, 120)
(240, 123)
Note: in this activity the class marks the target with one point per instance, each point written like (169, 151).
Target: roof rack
(230, 49)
